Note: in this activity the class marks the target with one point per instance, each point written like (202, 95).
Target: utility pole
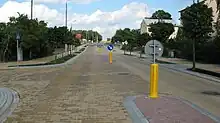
(87, 35)
(97, 39)
(66, 15)
(31, 9)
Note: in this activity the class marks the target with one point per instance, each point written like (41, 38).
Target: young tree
(161, 14)
(197, 24)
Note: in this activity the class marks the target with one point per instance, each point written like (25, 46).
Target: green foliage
(131, 36)
(37, 40)
(197, 22)
(161, 31)
(161, 14)
(142, 39)
(197, 26)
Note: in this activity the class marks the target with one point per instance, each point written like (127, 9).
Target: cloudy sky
(104, 16)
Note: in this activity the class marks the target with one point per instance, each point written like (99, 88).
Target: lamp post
(66, 15)
(31, 9)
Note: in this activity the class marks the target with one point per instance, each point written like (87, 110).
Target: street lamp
(31, 9)
(66, 15)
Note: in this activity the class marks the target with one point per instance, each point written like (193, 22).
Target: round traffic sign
(110, 47)
(149, 48)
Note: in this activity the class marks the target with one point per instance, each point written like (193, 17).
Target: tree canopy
(161, 14)
(37, 40)
(197, 27)
(197, 21)
(161, 31)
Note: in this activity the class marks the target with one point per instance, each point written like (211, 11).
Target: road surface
(92, 91)
(176, 83)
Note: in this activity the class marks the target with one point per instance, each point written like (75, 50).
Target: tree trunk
(194, 55)
(130, 49)
(6, 49)
(30, 54)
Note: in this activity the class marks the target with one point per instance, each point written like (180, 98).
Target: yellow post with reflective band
(110, 57)
(99, 49)
(153, 81)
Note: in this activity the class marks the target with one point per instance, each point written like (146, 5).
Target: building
(145, 25)
(212, 4)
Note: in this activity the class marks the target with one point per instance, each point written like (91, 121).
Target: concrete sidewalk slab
(166, 109)
(181, 67)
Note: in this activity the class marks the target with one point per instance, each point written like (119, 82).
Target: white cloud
(63, 1)
(106, 23)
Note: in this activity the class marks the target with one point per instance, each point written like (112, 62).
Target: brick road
(88, 91)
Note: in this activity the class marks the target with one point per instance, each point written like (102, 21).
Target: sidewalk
(39, 60)
(166, 109)
(181, 65)
(208, 67)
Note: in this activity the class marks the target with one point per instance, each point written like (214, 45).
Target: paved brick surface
(89, 91)
(167, 109)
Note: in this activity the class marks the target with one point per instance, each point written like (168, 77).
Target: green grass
(61, 60)
(198, 70)
(163, 62)
(57, 61)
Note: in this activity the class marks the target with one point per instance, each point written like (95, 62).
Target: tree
(37, 40)
(161, 14)
(142, 39)
(197, 24)
(161, 31)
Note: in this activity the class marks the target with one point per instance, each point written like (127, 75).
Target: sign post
(155, 49)
(110, 48)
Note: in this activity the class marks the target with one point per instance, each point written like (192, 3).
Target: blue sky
(93, 14)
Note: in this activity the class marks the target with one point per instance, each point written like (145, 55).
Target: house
(212, 4)
(145, 25)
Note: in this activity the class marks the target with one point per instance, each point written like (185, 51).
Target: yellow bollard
(99, 50)
(110, 57)
(153, 81)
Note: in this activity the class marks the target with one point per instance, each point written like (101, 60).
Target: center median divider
(59, 60)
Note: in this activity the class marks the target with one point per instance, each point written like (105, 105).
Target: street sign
(154, 48)
(110, 47)
(18, 36)
(126, 42)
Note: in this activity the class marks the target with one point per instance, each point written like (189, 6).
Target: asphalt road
(176, 83)
(91, 90)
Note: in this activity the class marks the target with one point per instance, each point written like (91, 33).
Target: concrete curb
(138, 117)
(191, 73)
(54, 65)
(201, 110)
(133, 111)
(9, 107)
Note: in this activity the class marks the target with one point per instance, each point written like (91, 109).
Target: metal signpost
(155, 49)
(17, 39)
